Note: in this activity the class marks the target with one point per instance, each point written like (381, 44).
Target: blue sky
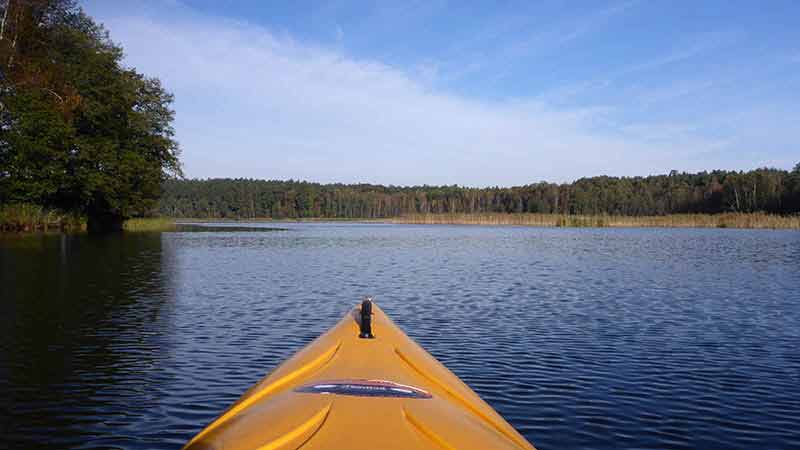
(470, 93)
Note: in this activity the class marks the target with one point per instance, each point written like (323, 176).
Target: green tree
(78, 129)
(769, 190)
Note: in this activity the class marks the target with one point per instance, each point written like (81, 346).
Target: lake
(580, 338)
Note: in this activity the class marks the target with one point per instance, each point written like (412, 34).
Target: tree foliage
(770, 190)
(78, 130)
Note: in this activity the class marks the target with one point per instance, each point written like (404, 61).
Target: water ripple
(580, 338)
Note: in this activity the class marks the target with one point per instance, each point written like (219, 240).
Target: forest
(766, 190)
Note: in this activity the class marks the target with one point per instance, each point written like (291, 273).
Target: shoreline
(725, 220)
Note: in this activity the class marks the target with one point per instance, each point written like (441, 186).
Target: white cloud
(254, 104)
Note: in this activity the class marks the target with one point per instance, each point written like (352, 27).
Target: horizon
(495, 96)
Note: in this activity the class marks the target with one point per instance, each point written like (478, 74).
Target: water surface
(580, 338)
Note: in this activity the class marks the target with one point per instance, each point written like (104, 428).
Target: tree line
(82, 133)
(79, 131)
(768, 190)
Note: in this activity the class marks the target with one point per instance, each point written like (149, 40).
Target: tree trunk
(102, 223)
(3, 23)
(14, 41)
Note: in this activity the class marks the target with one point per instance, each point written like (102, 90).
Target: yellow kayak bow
(363, 385)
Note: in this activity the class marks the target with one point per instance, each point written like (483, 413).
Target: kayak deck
(348, 392)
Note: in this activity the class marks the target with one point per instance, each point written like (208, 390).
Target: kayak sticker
(364, 388)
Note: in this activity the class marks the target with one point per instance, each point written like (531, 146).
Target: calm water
(581, 338)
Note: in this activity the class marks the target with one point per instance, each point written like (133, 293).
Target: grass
(149, 224)
(726, 220)
(23, 217)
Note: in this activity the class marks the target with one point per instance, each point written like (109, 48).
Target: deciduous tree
(78, 129)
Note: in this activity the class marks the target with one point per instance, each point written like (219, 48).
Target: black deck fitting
(366, 319)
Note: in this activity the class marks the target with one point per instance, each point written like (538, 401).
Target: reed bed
(725, 220)
(28, 218)
(149, 224)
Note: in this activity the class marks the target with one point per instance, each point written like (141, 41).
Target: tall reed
(25, 217)
(725, 220)
(149, 224)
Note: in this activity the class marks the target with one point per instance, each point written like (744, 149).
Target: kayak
(362, 385)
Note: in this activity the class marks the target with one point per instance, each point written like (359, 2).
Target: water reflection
(224, 227)
(80, 317)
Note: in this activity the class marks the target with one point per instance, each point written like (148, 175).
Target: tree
(792, 190)
(769, 190)
(78, 130)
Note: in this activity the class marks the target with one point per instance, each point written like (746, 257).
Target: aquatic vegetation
(25, 217)
(149, 224)
(28, 217)
(725, 220)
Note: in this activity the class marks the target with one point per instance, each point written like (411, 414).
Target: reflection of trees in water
(79, 326)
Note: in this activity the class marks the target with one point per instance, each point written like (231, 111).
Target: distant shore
(725, 220)
(50, 222)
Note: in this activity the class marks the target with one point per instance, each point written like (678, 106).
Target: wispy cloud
(533, 37)
(698, 45)
(556, 36)
(256, 104)
(671, 91)
(588, 23)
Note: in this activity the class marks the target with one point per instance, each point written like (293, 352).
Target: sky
(469, 93)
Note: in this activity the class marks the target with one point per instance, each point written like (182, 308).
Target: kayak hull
(343, 391)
